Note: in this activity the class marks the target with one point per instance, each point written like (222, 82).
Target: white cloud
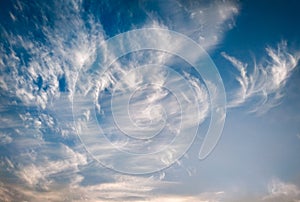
(282, 192)
(267, 79)
(204, 197)
(36, 78)
(34, 71)
(142, 111)
(124, 188)
(120, 188)
(203, 22)
(41, 166)
(5, 138)
(71, 46)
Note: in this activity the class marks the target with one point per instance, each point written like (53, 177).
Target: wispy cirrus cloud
(37, 77)
(204, 22)
(266, 80)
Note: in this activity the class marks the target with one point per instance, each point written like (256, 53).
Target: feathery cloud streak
(266, 81)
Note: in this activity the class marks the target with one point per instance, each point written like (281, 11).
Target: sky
(150, 100)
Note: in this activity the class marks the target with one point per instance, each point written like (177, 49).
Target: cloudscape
(150, 100)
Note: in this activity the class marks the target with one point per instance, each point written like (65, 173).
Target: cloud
(137, 188)
(38, 69)
(124, 188)
(283, 192)
(35, 71)
(267, 80)
(151, 102)
(5, 138)
(206, 23)
(38, 73)
(203, 197)
(119, 188)
(41, 167)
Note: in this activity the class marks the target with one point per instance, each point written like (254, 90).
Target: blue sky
(88, 113)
